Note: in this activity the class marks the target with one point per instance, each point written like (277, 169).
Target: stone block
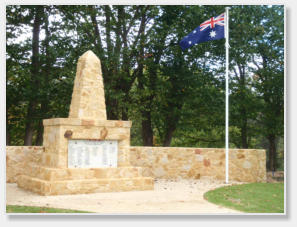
(245, 165)
(84, 185)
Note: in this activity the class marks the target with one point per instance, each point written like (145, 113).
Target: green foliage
(251, 198)
(32, 209)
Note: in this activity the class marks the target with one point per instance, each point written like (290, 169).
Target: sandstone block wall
(17, 158)
(245, 165)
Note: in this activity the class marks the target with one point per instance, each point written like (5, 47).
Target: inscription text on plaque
(92, 153)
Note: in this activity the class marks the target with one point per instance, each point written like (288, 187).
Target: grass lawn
(31, 209)
(251, 198)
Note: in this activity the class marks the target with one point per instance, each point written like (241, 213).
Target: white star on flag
(212, 34)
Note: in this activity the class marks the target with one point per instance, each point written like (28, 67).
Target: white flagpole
(227, 95)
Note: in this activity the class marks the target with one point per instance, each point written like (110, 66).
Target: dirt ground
(168, 197)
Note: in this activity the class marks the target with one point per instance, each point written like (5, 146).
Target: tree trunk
(272, 165)
(244, 137)
(125, 113)
(98, 43)
(39, 138)
(244, 141)
(168, 136)
(243, 110)
(29, 127)
(7, 134)
(45, 79)
(147, 132)
(7, 138)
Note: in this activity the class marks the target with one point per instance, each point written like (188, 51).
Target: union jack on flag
(209, 30)
(212, 22)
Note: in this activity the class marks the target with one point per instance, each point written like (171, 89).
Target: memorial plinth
(85, 153)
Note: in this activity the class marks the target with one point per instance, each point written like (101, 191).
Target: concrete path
(168, 197)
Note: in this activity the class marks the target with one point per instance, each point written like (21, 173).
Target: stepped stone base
(52, 174)
(55, 181)
(83, 186)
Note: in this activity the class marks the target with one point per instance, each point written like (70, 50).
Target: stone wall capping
(193, 148)
(90, 122)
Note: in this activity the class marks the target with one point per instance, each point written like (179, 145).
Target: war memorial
(86, 153)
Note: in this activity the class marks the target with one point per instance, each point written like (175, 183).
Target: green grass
(251, 198)
(32, 209)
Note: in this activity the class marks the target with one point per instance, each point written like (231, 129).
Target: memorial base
(54, 181)
(67, 168)
(83, 186)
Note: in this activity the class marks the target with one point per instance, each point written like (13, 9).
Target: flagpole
(227, 97)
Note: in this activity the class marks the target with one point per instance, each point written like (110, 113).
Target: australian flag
(209, 30)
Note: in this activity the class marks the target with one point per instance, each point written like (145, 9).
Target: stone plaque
(92, 153)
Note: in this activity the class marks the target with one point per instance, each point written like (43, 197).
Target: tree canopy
(173, 97)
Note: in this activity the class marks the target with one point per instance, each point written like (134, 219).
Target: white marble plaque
(92, 153)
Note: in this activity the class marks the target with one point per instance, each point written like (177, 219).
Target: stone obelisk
(88, 100)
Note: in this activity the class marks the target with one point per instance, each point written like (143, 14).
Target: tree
(18, 69)
(269, 78)
(244, 29)
(34, 80)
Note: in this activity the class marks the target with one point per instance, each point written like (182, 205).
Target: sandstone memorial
(84, 153)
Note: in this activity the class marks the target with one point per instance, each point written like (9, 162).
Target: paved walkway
(168, 197)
